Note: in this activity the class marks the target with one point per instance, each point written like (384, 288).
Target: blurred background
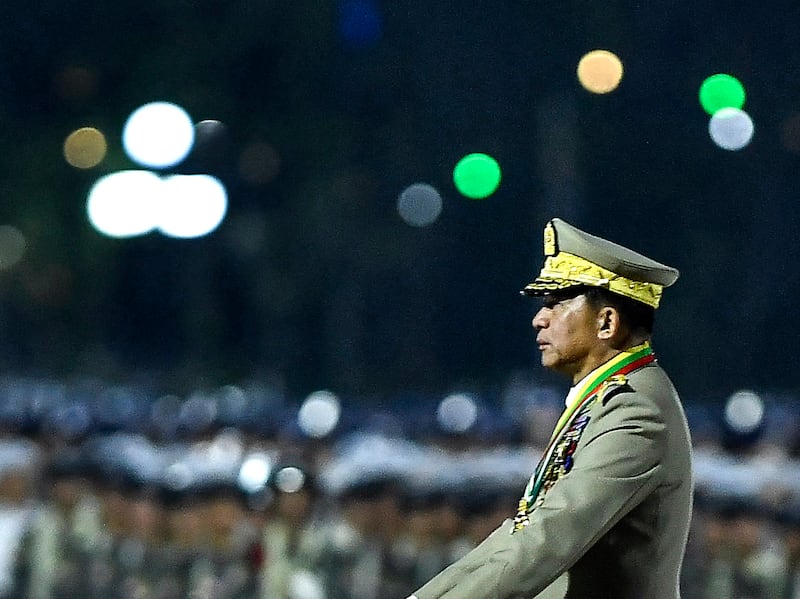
(244, 236)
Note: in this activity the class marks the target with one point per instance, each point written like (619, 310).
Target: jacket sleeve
(617, 464)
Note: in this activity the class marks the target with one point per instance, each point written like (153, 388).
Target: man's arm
(616, 466)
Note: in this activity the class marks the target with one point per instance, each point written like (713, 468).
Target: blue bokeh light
(360, 23)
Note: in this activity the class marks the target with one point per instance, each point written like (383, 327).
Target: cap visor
(544, 286)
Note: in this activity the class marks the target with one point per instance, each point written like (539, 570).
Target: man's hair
(638, 317)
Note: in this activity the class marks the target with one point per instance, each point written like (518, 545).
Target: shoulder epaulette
(612, 386)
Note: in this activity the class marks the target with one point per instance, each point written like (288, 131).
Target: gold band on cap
(566, 270)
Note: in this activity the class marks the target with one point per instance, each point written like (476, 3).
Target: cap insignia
(549, 240)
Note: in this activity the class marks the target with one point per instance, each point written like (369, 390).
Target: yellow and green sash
(620, 365)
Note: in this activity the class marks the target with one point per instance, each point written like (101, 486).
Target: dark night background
(313, 278)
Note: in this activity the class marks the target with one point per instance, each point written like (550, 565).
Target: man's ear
(608, 322)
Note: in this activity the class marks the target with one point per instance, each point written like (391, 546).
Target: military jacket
(612, 509)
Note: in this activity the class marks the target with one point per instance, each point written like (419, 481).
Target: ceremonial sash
(613, 370)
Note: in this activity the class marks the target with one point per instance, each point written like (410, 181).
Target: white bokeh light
(158, 135)
(179, 476)
(192, 205)
(744, 411)
(306, 585)
(124, 204)
(457, 413)
(419, 205)
(290, 479)
(319, 414)
(731, 128)
(254, 472)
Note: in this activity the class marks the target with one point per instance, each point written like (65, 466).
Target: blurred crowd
(109, 492)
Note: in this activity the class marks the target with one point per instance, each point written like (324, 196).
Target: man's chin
(551, 362)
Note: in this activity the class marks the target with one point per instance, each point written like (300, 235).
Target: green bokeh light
(721, 91)
(477, 176)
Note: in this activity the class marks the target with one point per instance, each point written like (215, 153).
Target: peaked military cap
(574, 257)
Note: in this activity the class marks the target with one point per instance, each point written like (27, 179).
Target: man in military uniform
(610, 501)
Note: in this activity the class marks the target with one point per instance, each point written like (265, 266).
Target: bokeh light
(131, 203)
(319, 414)
(197, 413)
(124, 203)
(360, 23)
(477, 176)
(259, 163)
(178, 476)
(457, 413)
(744, 411)
(254, 472)
(12, 246)
(226, 451)
(721, 91)
(191, 205)
(419, 205)
(304, 584)
(232, 403)
(158, 135)
(290, 479)
(731, 128)
(85, 147)
(600, 71)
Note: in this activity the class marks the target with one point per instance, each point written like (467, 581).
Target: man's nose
(540, 319)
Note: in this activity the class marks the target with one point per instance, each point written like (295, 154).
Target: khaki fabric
(617, 523)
